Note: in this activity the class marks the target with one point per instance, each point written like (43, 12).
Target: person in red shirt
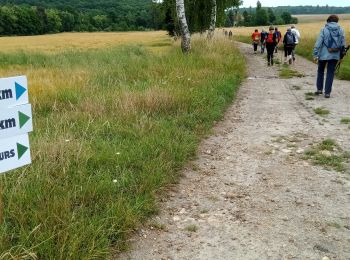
(255, 39)
(271, 42)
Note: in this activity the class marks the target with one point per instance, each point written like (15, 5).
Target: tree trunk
(212, 20)
(185, 32)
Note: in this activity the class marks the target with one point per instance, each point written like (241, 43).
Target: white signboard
(15, 121)
(13, 91)
(14, 152)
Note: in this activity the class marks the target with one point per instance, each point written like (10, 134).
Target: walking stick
(282, 52)
(337, 68)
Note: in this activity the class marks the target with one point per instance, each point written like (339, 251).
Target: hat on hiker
(292, 26)
(333, 18)
(271, 28)
(289, 29)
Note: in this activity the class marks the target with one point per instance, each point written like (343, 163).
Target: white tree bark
(185, 32)
(212, 19)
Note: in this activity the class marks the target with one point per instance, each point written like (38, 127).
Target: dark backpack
(290, 39)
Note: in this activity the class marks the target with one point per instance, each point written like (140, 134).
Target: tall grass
(112, 127)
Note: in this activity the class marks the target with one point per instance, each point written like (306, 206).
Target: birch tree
(212, 19)
(185, 32)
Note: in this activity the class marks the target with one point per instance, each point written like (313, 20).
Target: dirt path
(249, 194)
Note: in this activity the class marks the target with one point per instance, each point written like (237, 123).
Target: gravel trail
(250, 194)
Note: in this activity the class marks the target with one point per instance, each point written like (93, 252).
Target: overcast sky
(247, 3)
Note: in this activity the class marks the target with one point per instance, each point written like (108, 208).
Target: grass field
(313, 18)
(82, 41)
(309, 32)
(114, 123)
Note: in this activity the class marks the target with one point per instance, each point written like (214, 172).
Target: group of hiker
(329, 49)
(270, 41)
(228, 33)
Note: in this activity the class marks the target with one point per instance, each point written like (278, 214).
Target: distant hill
(307, 9)
(85, 5)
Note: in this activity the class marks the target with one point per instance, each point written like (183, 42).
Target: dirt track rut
(249, 194)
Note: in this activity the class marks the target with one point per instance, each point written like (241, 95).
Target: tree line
(33, 20)
(198, 21)
(260, 16)
(25, 18)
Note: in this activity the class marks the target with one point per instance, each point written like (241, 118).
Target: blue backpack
(334, 45)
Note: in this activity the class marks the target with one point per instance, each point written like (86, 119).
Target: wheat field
(312, 18)
(53, 43)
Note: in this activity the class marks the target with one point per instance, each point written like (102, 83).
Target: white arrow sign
(14, 152)
(15, 121)
(13, 91)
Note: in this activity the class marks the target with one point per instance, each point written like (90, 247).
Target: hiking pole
(340, 61)
(282, 54)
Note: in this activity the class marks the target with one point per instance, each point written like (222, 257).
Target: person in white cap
(296, 34)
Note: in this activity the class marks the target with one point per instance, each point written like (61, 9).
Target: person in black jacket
(289, 44)
(271, 42)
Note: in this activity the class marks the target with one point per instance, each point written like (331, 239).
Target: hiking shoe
(327, 95)
(318, 92)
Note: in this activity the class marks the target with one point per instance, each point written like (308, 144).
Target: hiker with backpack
(271, 42)
(289, 44)
(279, 37)
(296, 34)
(255, 39)
(263, 36)
(328, 50)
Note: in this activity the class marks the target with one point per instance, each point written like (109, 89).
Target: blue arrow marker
(19, 90)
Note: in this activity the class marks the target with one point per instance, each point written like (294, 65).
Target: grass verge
(112, 127)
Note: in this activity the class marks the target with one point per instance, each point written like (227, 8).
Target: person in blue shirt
(329, 45)
(263, 36)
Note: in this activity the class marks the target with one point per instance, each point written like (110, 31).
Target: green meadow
(113, 127)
